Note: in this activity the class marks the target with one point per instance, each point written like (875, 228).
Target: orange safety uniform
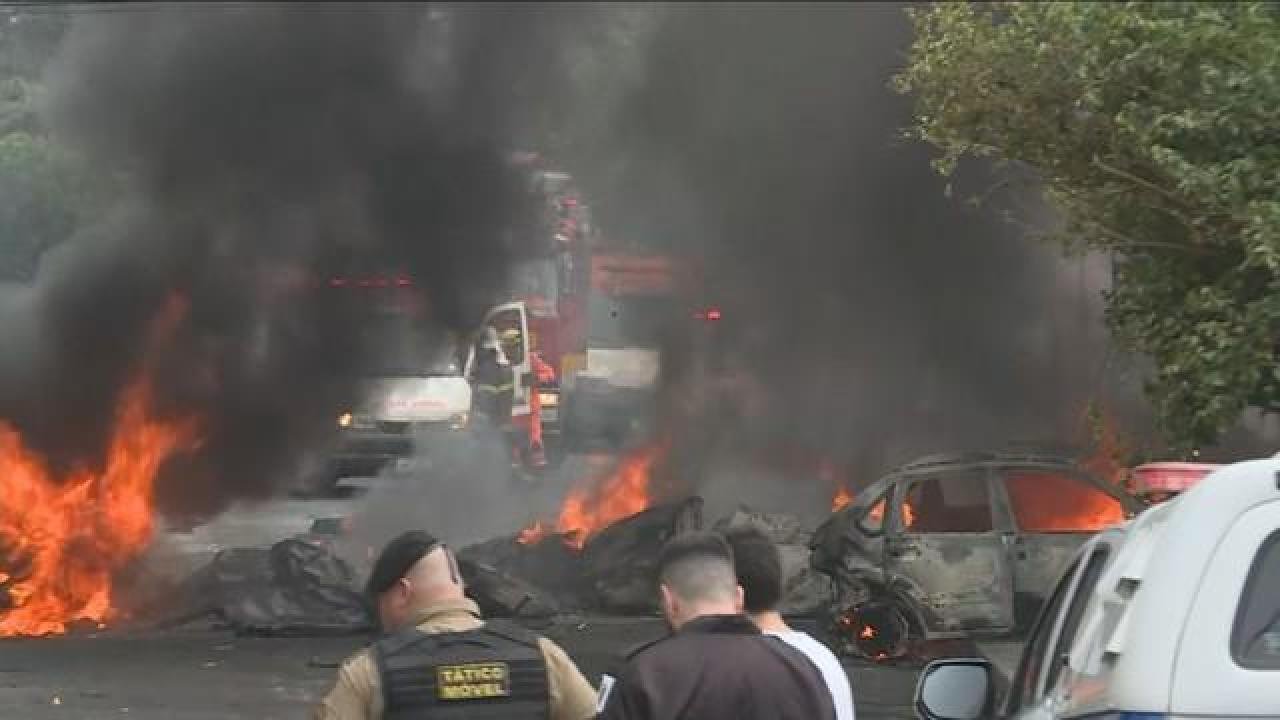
(543, 374)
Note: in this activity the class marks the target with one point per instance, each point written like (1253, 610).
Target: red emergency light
(710, 314)
(1170, 476)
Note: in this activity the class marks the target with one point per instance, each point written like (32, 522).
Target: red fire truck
(599, 313)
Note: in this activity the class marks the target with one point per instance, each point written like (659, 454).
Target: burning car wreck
(956, 546)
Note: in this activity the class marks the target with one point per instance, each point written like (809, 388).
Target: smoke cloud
(265, 147)
(878, 318)
(262, 150)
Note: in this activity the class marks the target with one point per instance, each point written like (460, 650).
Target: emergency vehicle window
(1075, 611)
(1047, 502)
(1022, 692)
(951, 503)
(1255, 636)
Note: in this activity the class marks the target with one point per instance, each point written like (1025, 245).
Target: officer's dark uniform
(494, 671)
(717, 666)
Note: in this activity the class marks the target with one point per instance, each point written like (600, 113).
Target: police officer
(717, 664)
(438, 659)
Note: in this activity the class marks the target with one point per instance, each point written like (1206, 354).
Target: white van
(1174, 614)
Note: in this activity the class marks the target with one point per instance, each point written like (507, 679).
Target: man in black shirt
(716, 663)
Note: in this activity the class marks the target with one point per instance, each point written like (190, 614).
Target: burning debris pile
(612, 572)
(602, 500)
(600, 552)
(64, 536)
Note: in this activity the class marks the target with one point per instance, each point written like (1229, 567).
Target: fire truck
(599, 312)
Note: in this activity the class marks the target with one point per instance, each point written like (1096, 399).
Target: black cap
(397, 557)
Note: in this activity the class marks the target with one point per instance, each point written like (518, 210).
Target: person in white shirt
(759, 571)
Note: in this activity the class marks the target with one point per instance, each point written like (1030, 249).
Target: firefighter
(493, 382)
(439, 659)
(543, 375)
(531, 448)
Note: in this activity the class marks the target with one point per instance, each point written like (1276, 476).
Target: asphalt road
(198, 674)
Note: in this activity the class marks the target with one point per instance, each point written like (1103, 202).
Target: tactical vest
(494, 671)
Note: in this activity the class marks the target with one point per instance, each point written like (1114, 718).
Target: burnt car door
(943, 543)
(1051, 512)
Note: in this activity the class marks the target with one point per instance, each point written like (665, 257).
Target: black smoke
(879, 317)
(261, 151)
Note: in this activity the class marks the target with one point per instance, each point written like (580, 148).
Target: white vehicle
(1176, 614)
(412, 385)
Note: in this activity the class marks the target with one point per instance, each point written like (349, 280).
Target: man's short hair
(758, 567)
(698, 566)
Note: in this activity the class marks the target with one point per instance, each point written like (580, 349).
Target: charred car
(957, 546)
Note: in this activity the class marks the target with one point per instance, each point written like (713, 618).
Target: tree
(1154, 129)
(45, 190)
(46, 193)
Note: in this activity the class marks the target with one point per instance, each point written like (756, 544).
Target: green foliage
(1155, 128)
(45, 191)
(44, 195)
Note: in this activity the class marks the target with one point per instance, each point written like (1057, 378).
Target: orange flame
(1045, 502)
(532, 534)
(599, 502)
(842, 498)
(64, 537)
(908, 514)
(1109, 451)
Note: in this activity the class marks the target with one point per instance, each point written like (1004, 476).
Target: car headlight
(549, 399)
(459, 421)
(345, 420)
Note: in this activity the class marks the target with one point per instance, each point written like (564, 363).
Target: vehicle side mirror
(955, 689)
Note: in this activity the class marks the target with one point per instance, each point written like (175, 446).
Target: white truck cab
(1174, 614)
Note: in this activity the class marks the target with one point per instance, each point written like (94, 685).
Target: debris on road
(292, 588)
